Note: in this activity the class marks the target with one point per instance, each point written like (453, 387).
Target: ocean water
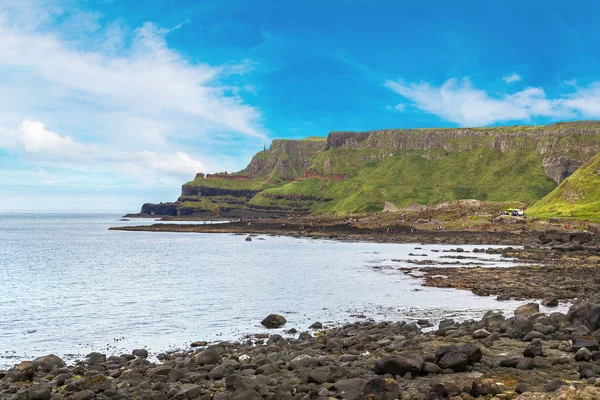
(70, 286)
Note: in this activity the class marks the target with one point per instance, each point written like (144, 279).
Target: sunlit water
(70, 286)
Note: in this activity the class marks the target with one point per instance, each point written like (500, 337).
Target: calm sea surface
(70, 286)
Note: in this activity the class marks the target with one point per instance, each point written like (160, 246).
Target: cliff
(361, 171)
(577, 196)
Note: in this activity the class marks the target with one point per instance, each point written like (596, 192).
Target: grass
(577, 196)
(504, 165)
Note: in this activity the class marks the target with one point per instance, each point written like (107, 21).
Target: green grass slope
(577, 196)
(423, 177)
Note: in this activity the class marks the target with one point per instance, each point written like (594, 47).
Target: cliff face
(285, 159)
(361, 171)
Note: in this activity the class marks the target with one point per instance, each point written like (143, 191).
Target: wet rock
(208, 356)
(273, 321)
(248, 239)
(199, 343)
(26, 370)
(550, 302)
(382, 389)
(527, 309)
(400, 364)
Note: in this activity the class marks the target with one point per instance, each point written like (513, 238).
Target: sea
(70, 286)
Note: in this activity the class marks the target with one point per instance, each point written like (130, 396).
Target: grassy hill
(360, 171)
(577, 196)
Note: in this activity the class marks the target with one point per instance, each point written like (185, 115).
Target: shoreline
(520, 354)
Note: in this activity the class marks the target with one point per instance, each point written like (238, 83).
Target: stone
(382, 389)
(431, 368)
(484, 388)
(533, 350)
(273, 321)
(519, 328)
(249, 394)
(583, 354)
(554, 385)
(142, 353)
(40, 392)
(453, 360)
(481, 334)
(316, 325)
(198, 343)
(550, 302)
(47, 363)
(527, 309)
(525, 363)
(96, 358)
(589, 342)
(473, 353)
(400, 364)
(205, 357)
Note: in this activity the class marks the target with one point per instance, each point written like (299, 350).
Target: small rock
(142, 353)
(481, 334)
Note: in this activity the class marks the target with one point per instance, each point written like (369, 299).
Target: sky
(108, 104)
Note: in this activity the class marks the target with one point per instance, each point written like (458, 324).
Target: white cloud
(177, 163)
(116, 103)
(459, 102)
(35, 138)
(514, 77)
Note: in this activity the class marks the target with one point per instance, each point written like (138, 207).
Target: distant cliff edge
(361, 171)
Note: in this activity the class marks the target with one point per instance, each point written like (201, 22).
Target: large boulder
(47, 363)
(273, 321)
(399, 364)
(588, 342)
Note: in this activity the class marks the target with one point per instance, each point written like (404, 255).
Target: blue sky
(106, 104)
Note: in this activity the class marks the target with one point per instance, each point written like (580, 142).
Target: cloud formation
(460, 102)
(514, 77)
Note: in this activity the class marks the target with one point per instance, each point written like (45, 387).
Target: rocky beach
(526, 354)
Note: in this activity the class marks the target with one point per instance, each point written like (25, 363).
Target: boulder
(206, 357)
(381, 389)
(588, 342)
(533, 350)
(47, 363)
(519, 328)
(453, 360)
(400, 364)
(481, 334)
(273, 321)
(142, 353)
(527, 309)
(583, 354)
(554, 385)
